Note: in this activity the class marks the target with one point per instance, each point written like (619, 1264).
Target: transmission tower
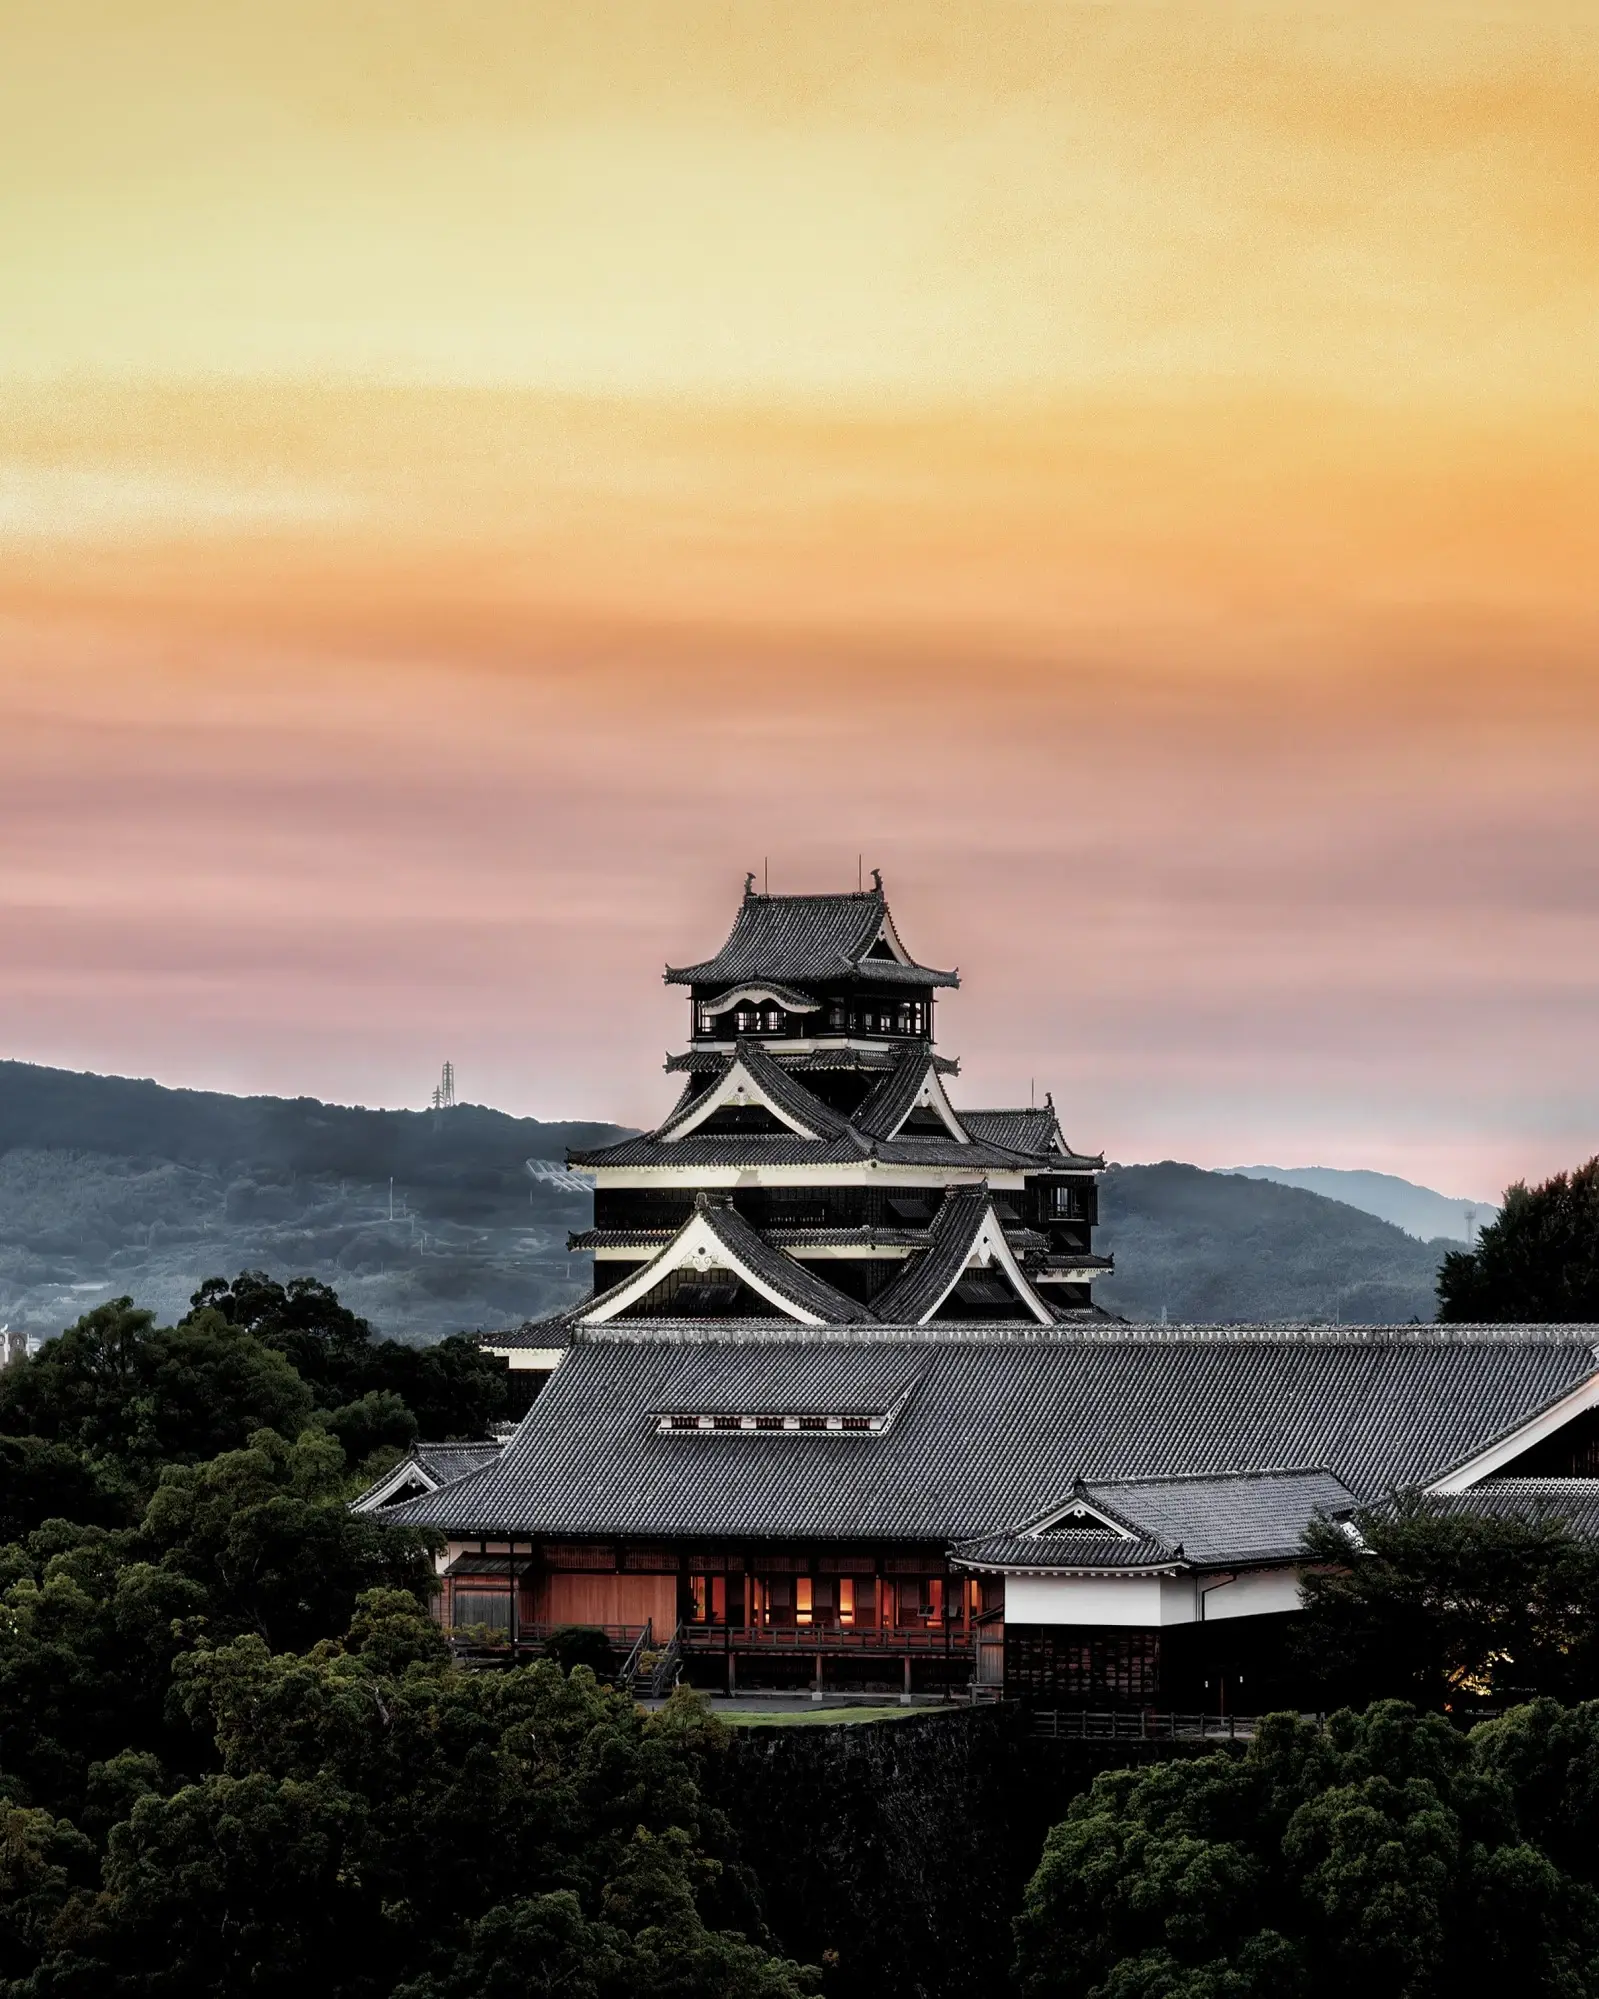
(444, 1095)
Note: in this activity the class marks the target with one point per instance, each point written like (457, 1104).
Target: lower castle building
(841, 1411)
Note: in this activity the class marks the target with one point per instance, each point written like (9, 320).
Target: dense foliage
(1538, 1261)
(1448, 1608)
(1386, 1857)
(234, 1753)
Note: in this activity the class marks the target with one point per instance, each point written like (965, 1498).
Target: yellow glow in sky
(499, 470)
(1390, 201)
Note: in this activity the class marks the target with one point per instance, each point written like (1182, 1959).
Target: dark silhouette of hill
(1210, 1248)
(110, 1185)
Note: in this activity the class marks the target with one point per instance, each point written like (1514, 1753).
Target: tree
(1442, 1607)
(41, 1481)
(116, 1387)
(91, 1621)
(452, 1388)
(1538, 1261)
(1380, 1859)
(383, 1820)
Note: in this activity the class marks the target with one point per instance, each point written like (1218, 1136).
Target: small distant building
(841, 1411)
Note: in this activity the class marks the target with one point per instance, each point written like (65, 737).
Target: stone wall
(896, 1851)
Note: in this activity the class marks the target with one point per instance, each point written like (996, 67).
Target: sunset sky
(477, 478)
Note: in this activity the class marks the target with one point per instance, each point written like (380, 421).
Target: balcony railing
(824, 1638)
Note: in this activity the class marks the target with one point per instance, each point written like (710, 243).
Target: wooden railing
(629, 1667)
(823, 1638)
(1140, 1725)
(532, 1640)
(664, 1676)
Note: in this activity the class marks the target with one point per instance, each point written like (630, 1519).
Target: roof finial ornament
(749, 884)
(877, 880)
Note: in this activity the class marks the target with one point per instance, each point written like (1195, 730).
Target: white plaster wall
(1083, 1600)
(1253, 1594)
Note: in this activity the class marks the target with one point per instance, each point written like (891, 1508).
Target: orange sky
(474, 479)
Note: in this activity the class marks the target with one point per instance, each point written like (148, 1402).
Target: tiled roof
(551, 1332)
(761, 1380)
(748, 1250)
(1036, 1131)
(918, 1289)
(438, 1465)
(789, 997)
(794, 1239)
(1248, 1516)
(789, 1279)
(1574, 1500)
(448, 1462)
(1001, 1423)
(1071, 1552)
(893, 1099)
(789, 1238)
(784, 1091)
(870, 1061)
(759, 1148)
(800, 938)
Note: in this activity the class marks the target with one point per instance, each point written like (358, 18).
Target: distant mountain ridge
(1210, 1248)
(1419, 1211)
(110, 1185)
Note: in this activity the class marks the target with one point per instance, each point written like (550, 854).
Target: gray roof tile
(801, 938)
(750, 1249)
(1001, 1423)
(893, 1099)
(785, 1091)
(1574, 1500)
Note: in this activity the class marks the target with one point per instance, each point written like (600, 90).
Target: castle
(841, 1412)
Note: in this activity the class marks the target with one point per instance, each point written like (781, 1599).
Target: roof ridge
(1214, 1477)
(986, 1331)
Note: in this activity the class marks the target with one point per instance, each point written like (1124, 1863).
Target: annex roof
(797, 939)
(1204, 1520)
(430, 1467)
(1000, 1424)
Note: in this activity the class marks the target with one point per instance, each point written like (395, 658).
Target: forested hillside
(111, 1187)
(1212, 1247)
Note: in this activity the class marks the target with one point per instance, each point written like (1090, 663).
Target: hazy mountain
(110, 1186)
(1213, 1247)
(1417, 1210)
